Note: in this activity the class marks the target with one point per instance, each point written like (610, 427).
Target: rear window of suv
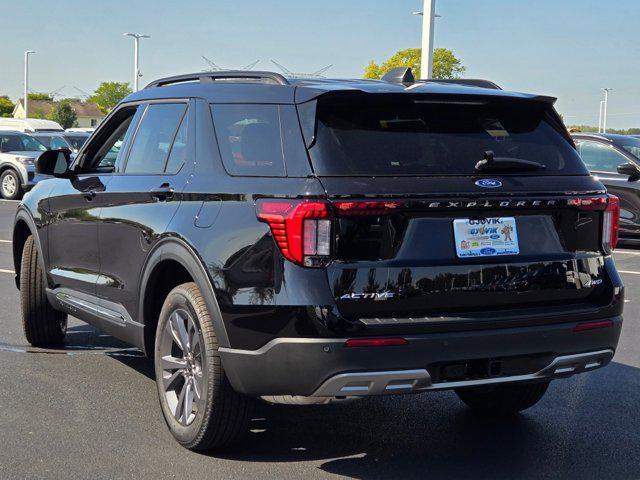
(391, 135)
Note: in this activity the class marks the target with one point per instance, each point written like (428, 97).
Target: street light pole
(428, 18)
(136, 48)
(26, 82)
(600, 117)
(604, 110)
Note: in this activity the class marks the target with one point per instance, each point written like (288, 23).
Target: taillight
(300, 228)
(610, 224)
(367, 207)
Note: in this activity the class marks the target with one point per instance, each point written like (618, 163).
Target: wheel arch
(171, 263)
(9, 166)
(23, 227)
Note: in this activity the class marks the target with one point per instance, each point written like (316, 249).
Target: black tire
(225, 413)
(43, 326)
(504, 399)
(15, 178)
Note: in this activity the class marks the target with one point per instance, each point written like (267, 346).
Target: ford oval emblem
(489, 183)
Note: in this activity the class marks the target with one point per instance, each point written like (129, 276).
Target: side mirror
(630, 169)
(54, 162)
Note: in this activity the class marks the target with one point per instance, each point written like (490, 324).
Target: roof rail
(225, 75)
(471, 82)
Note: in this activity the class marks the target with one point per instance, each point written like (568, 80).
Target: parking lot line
(2, 270)
(627, 252)
(6, 241)
(629, 271)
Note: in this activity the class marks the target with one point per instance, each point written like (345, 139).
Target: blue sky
(565, 48)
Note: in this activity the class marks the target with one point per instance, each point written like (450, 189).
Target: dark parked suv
(264, 237)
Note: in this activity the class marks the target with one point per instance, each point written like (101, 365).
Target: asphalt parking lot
(90, 411)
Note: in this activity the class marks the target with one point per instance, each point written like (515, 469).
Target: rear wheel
(503, 399)
(43, 326)
(199, 405)
(10, 187)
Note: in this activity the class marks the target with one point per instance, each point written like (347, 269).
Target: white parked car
(28, 125)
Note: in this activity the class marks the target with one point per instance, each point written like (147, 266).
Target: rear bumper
(325, 367)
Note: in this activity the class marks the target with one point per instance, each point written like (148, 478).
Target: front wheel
(503, 399)
(199, 404)
(10, 187)
(43, 326)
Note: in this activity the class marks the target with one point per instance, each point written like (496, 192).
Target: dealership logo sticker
(489, 183)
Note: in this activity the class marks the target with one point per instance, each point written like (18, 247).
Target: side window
(249, 139)
(150, 148)
(178, 154)
(106, 150)
(57, 142)
(597, 156)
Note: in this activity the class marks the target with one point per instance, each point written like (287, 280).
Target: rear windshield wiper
(491, 163)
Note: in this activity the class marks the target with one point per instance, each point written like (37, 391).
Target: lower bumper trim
(407, 381)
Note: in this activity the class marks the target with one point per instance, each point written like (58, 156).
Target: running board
(408, 381)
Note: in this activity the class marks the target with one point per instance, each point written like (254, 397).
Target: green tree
(63, 114)
(38, 113)
(445, 64)
(109, 94)
(39, 96)
(6, 106)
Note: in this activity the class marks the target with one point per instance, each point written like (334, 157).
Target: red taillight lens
(376, 342)
(367, 207)
(610, 224)
(300, 228)
(584, 326)
(588, 203)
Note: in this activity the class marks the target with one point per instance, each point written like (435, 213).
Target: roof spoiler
(404, 76)
(470, 82)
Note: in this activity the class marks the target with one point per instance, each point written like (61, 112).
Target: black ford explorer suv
(259, 236)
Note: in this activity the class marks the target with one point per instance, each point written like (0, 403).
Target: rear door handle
(164, 192)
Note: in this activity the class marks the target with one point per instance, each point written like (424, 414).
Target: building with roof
(88, 114)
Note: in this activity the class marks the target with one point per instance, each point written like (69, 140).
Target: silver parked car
(18, 152)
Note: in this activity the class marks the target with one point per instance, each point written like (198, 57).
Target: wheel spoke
(195, 344)
(182, 331)
(173, 363)
(197, 385)
(180, 403)
(188, 401)
(170, 380)
(171, 329)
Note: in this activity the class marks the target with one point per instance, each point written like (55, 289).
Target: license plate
(485, 237)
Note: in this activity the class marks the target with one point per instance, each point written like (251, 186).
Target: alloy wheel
(181, 357)
(9, 185)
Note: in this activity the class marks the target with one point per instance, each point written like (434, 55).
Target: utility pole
(604, 110)
(26, 82)
(136, 48)
(428, 18)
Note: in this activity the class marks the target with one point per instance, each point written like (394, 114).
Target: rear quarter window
(250, 139)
